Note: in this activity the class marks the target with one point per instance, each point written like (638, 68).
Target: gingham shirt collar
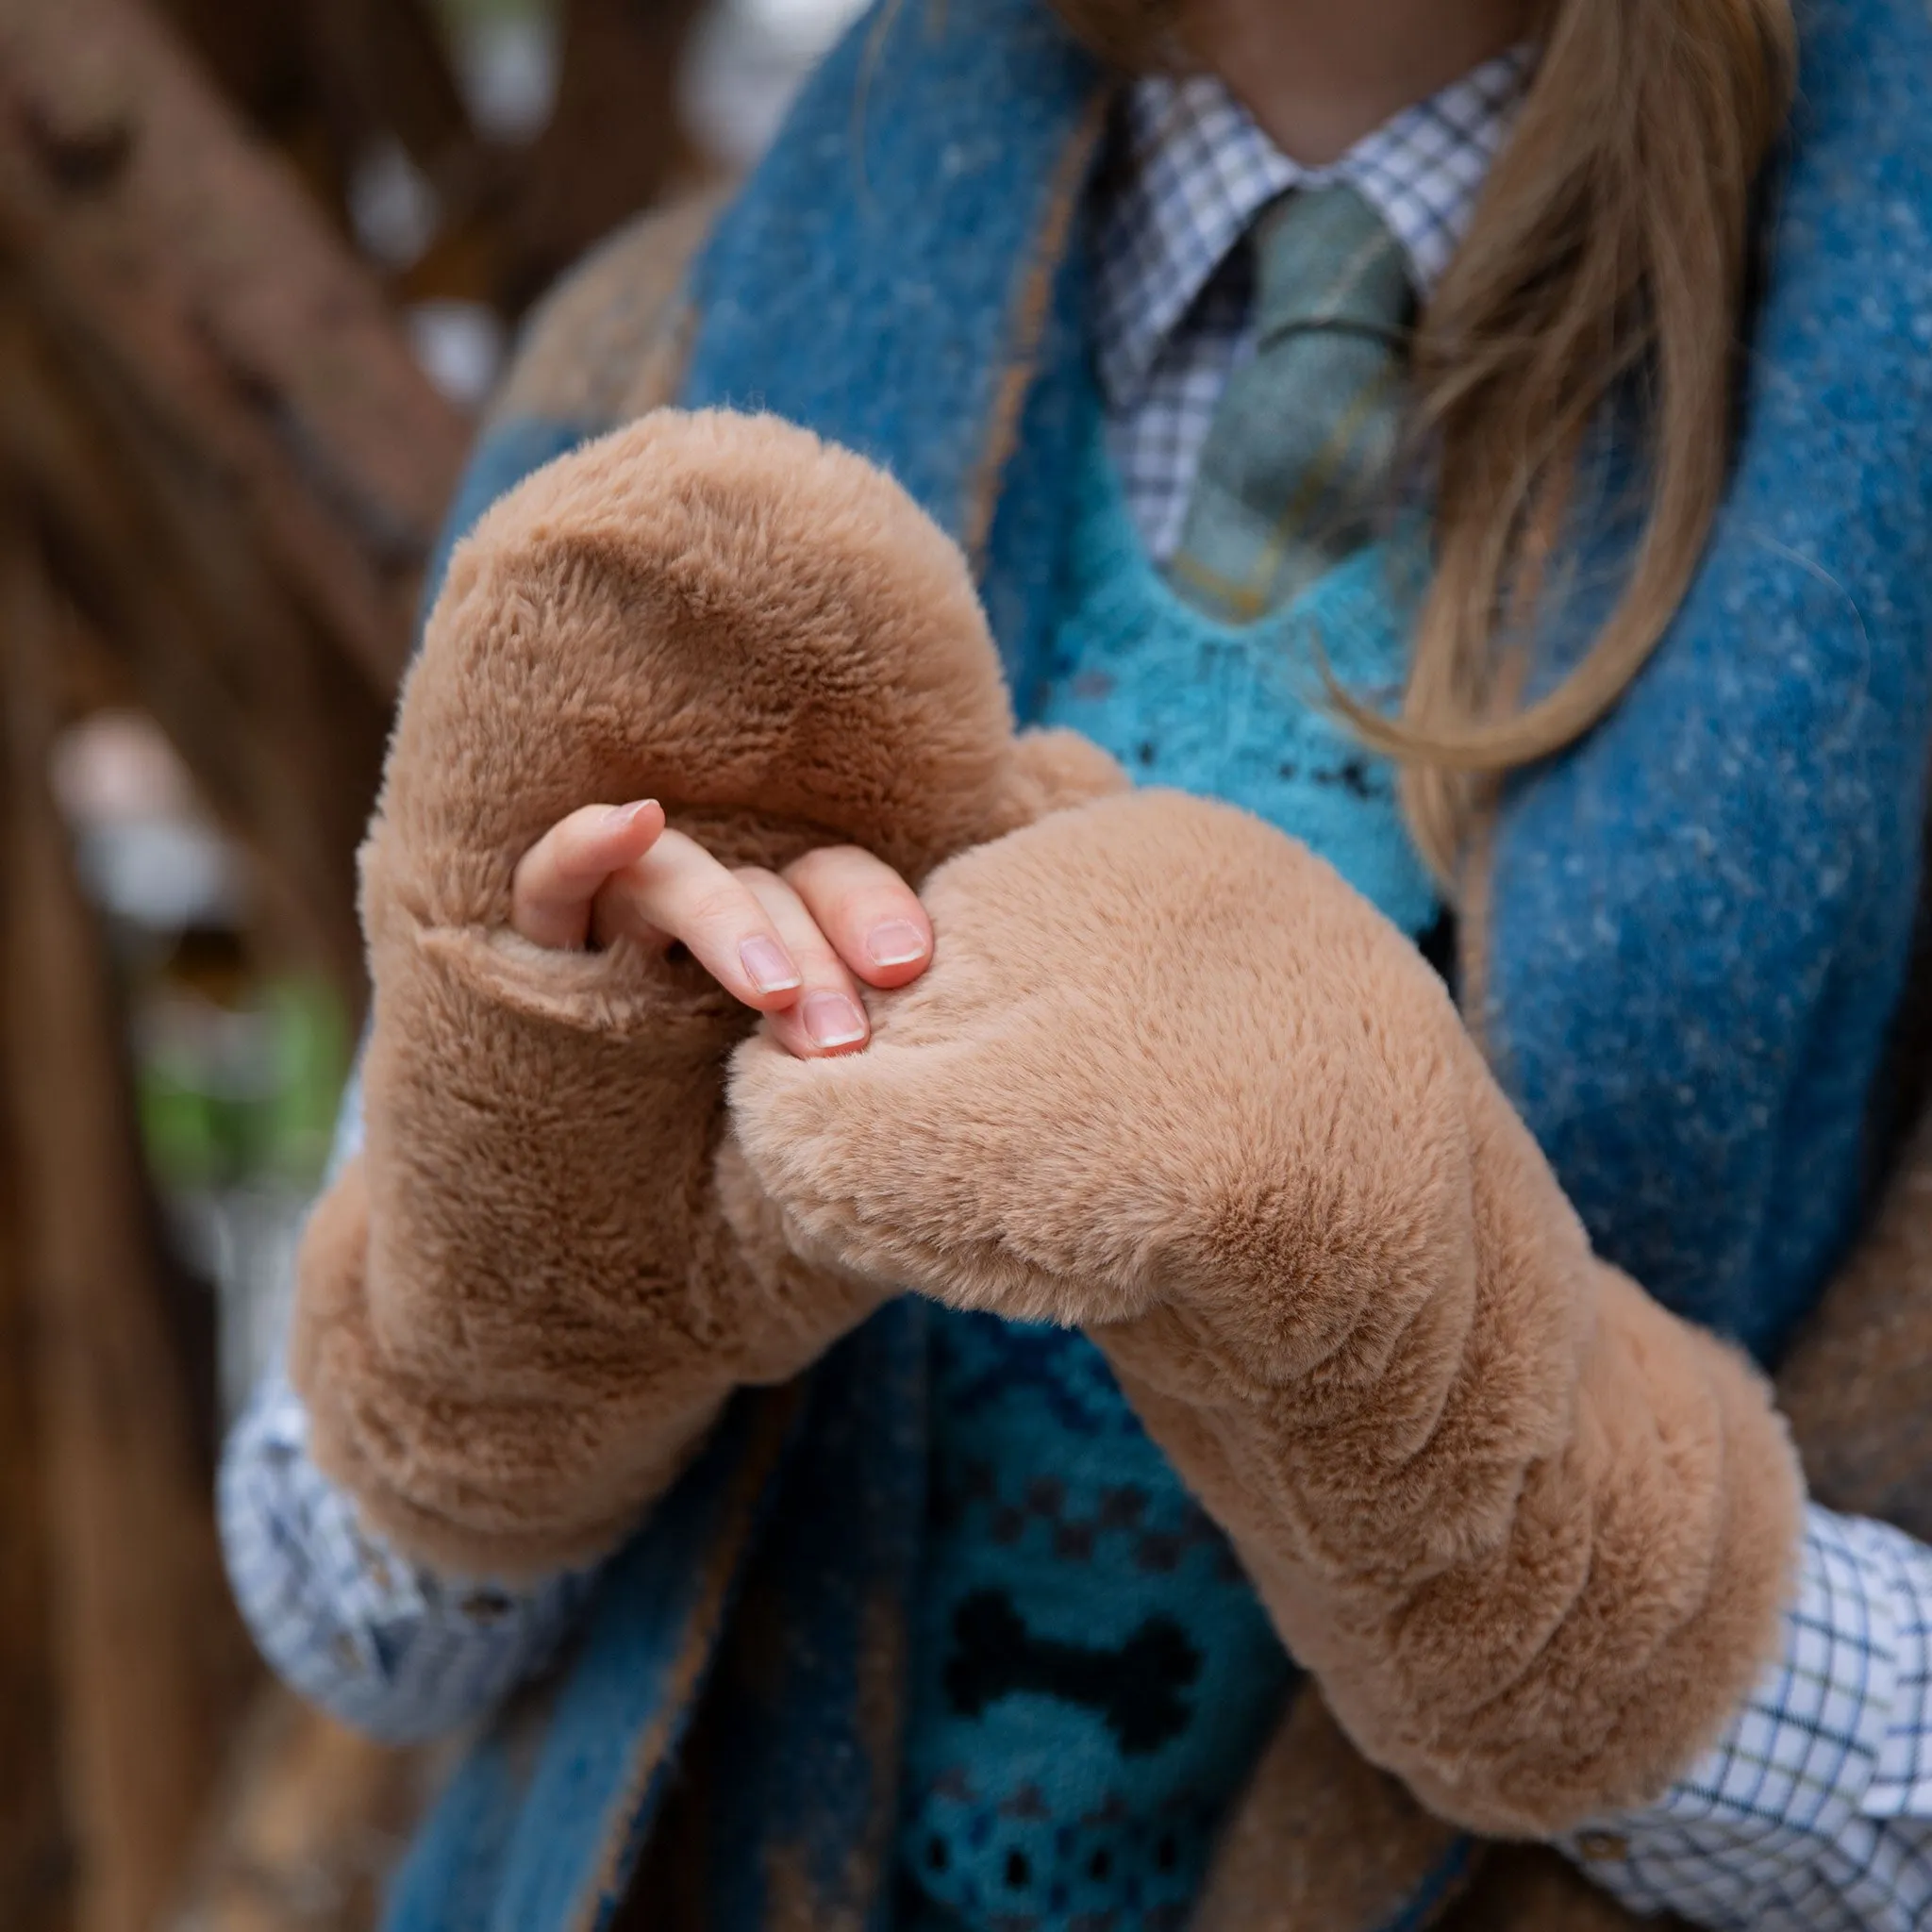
(1195, 171)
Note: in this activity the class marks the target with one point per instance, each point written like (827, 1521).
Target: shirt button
(1603, 1847)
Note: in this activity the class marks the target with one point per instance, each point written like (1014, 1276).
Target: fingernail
(831, 1020)
(895, 942)
(768, 965)
(621, 815)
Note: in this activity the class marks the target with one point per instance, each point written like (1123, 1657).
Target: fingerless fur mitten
(525, 1302)
(1171, 1080)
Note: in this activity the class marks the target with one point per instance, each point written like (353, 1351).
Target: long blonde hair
(1611, 238)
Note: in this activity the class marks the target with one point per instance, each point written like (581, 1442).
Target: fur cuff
(519, 1311)
(1171, 1080)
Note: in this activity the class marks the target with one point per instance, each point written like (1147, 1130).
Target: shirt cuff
(380, 1642)
(1811, 1810)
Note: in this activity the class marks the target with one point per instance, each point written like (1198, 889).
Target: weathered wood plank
(319, 79)
(150, 1659)
(614, 145)
(151, 232)
(614, 142)
(308, 1824)
(385, 62)
(283, 735)
(36, 1874)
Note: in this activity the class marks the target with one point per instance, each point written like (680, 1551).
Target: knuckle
(536, 888)
(822, 865)
(723, 905)
(808, 946)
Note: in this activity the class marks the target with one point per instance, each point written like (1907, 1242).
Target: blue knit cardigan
(1696, 929)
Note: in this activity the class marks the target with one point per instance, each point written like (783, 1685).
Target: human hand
(1146, 1011)
(521, 1310)
(788, 944)
(1172, 1081)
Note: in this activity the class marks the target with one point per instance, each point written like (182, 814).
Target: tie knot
(1297, 460)
(1326, 260)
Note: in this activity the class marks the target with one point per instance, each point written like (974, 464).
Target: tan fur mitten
(1169, 1078)
(522, 1307)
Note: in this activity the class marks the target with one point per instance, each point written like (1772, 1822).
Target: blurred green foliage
(230, 1096)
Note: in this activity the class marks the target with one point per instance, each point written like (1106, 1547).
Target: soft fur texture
(522, 1307)
(1167, 1078)
(1171, 1080)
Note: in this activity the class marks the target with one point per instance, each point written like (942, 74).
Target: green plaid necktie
(1295, 467)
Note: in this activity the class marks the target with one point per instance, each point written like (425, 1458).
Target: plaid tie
(1295, 467)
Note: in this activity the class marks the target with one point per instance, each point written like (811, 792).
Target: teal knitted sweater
(1092, 1674)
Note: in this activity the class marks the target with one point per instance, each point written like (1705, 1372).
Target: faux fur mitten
(522, 1304)
(1171, 1080)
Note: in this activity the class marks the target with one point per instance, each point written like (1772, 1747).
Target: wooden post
(35, 1855)
(150, 1660)
(614, 140)
(239, 465)
(167, 249)
(282, 733)
(614, 145)
(309, 1823)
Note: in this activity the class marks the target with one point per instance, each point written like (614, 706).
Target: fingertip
(824, 1024)
(634, 826)
(895, 951)
(584, 849)
(870, 914)
(773, 1005)
(772, 971)
(833, 1022)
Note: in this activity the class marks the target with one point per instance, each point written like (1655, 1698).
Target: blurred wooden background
(255, 256)
(222, 465)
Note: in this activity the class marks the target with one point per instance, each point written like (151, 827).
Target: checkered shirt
(1813, 1814)
(1174, 278)
(377, 1641)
